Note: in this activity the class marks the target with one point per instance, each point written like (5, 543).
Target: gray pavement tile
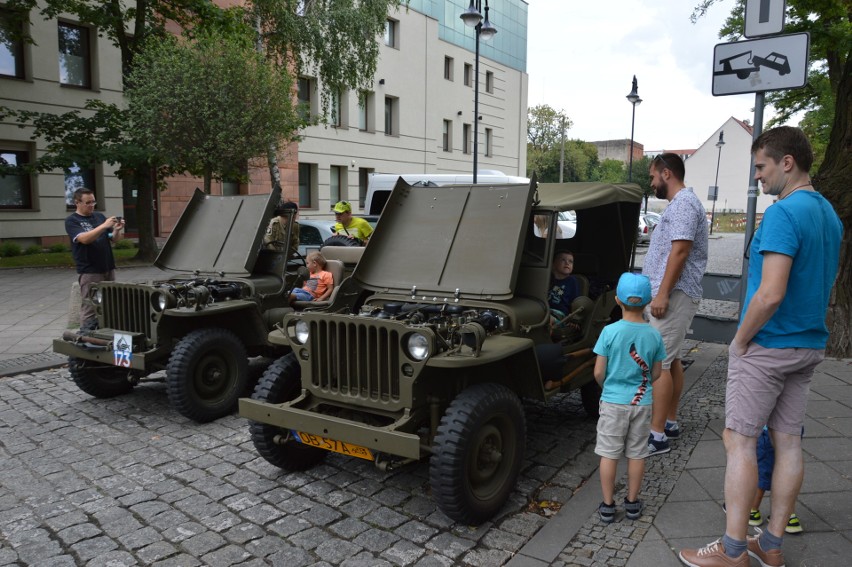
(654, 552)
(832, 507)
(688, 489)
(690, 519)
(707, 454)
(828, 448)
(820, 477)
(830, 407)
(837, 425)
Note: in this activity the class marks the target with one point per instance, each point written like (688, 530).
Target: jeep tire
(477, 453)
(341, 240)
(206, 374)
(282, 382)
(99, 380)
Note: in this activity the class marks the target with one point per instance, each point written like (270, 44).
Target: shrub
(9, 249)
(34, 249)
(58, 247)
(124, 244)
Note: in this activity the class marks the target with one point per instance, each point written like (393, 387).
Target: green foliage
(124, 244)
(611, 171)
(208, 105)
(33, 249)
(10, 249)
(58, 247)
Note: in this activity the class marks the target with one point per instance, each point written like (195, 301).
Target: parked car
(427, 349)
(312, 233)
(647, 223)
(567, 222)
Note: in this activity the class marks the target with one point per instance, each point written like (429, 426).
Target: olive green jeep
(202, 323)
(443, 327)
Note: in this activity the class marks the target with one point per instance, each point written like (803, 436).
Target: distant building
(619, 150)
(734, 169)
(684, 154)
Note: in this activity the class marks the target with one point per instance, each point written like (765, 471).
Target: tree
(334, 40)
(209, 105)
(827, 102)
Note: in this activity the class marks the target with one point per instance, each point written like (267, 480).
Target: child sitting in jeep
(319, 284)
(564, 288)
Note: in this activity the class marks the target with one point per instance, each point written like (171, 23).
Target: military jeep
(443, 327)
(202, 323)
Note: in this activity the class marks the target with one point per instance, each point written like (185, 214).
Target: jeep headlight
(418, 346)
(97, 296)
(301, 331)
(162, 300)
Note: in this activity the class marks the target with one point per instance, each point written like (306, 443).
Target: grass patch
(123, 257)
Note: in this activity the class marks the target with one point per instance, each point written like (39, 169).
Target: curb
(31, 363)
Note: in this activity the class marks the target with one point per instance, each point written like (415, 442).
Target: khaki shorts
(769, 386)
(674, 326)
(623, 430)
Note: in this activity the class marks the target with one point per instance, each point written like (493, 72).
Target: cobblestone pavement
(127, 481)
(600, 545)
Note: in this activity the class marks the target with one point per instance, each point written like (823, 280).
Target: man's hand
(660, 305)
(738, 348)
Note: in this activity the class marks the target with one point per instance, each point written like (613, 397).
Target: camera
(119, 219)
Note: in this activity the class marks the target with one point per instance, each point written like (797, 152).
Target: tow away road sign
(759, 65)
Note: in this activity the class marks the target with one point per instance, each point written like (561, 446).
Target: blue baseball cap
(635, 286)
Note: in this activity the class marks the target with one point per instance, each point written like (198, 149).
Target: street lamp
(634, 99)
(472, 17)
(719, 145)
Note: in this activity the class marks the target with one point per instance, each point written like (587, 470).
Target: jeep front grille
(357, 359)
(127, 308)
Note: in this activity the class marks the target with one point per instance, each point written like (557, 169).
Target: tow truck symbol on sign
(744, 64)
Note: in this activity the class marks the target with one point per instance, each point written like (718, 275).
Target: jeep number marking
(122, 350)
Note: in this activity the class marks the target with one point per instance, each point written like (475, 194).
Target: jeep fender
(242, 317)
(515, 356)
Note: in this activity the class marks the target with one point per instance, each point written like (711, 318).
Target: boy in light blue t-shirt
(630, 354)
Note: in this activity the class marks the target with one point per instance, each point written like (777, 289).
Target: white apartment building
(419, 115)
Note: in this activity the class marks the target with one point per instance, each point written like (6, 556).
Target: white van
(381, 184)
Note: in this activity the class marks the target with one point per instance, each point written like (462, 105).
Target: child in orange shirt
(319, 284)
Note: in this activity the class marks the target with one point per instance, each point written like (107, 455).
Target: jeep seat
(336, 269)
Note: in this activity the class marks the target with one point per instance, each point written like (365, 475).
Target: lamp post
(719, 145)
(634, 99)
(472, 17)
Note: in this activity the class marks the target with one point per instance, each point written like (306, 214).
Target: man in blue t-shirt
(91, 233)
(793, 260)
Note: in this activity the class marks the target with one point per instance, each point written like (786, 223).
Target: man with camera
(91, 233)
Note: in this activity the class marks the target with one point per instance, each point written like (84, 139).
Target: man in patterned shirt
(675, 263)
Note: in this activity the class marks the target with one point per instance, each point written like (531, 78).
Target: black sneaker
(633, 510)
(606, 512)
(673, 432)
(657, 447)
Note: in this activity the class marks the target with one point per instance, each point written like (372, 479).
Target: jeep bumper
(388, 439)
(101, 350)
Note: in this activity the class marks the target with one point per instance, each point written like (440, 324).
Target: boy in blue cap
(630, 354)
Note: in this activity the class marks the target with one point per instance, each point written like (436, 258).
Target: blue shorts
(302, 294)
(765, 461)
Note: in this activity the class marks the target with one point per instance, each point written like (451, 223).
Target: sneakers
(793, 525)
(771, 558)
(672, 432)
(657, 447)
(606, 512)
(633, 510)
(754, 518)
(713, 555)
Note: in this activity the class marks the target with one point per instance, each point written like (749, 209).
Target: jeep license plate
(333, 445)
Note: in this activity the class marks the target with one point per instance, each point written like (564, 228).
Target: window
(339, 115)
(489, 135)
(363, 185)
(15, 189)
(391, 116)
(447, 136)
(466, 141)
(309, 235)
(337, 183)
(448, 68)
(489, 82)
(365, 112)
(307, 180)
(75, 61)
(75, 178)
(468, 75)
(307, 107)
(11, 51)
(390, 33)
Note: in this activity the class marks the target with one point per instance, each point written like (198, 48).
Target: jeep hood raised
(219, 235)
(448, 241)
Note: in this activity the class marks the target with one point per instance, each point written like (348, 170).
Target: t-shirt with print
(683, 219)
(562, 293)
(94, 258)
(631, 349)
(318, 283)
